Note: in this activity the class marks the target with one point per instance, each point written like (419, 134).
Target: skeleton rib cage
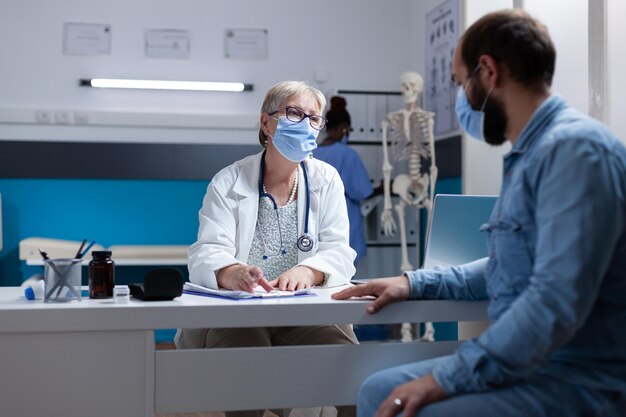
(403, 145)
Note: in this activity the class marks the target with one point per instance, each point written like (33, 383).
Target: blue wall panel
(108, 211)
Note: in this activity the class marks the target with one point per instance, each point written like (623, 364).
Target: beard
(496, 120)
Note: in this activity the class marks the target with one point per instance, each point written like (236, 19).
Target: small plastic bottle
(101, 275)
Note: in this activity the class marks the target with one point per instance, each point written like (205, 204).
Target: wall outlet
(62, 117)
(43, 116)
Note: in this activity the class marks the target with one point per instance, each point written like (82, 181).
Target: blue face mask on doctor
(294, 140)
(472, 121)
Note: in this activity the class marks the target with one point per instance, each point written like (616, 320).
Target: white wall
(360, 44)
(616, 33)
(567, 22)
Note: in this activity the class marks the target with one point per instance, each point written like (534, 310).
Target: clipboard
(259, 293)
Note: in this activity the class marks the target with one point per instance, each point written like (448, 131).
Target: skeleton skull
(411, 84)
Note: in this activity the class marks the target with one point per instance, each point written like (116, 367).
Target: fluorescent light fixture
(165, 85)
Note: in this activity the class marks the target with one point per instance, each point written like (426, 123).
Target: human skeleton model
(410, 133)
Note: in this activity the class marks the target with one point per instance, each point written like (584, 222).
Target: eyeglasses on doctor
(296, 115)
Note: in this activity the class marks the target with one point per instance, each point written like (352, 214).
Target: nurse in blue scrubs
(335, 151)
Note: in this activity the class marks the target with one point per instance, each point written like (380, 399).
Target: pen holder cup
(62, 279)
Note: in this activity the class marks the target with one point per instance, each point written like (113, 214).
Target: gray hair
(282, 92)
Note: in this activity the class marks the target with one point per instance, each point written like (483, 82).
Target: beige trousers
(268, 336)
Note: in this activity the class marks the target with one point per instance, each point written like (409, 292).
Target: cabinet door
(372, 117)
(357, 107)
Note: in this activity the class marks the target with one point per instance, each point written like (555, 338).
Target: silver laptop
(453, 234)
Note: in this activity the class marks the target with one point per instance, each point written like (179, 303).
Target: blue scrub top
(357, 185)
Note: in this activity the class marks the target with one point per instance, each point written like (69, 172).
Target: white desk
(98, 358)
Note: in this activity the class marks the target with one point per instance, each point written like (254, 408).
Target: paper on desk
(259, 292)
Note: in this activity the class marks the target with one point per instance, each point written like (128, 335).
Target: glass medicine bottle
(101, 275)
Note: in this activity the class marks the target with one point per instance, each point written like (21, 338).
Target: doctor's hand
(411, 397)
(298, 278)
(386, 291)
(242, 278)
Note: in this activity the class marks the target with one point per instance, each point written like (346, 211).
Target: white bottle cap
(121, 294)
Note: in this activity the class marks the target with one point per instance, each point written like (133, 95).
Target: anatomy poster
(442, 33)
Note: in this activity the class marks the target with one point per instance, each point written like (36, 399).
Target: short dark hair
(515, 39)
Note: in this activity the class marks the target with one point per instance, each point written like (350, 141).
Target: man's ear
(492, 74)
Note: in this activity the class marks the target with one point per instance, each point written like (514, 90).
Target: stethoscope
(305, 241)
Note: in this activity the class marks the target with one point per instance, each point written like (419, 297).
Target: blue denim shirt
(556, 271)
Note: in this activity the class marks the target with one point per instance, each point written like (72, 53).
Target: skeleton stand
(411, 138)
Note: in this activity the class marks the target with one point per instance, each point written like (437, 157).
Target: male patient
(556, 271)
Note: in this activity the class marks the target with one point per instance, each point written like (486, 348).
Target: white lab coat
(229, 213)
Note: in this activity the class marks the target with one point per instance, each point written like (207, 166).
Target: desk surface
(18, 315)
(198, 379)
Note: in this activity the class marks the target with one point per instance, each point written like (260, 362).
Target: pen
(44, 255)
(93, 242)
(78, 252)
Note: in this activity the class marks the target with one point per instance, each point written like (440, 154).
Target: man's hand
(242, 278)
(298, 278)
(386, 290)
(411, 397)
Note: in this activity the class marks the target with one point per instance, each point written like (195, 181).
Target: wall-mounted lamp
(165, 85)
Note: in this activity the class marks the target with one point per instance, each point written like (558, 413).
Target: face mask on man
(294, 141)
(473, 121)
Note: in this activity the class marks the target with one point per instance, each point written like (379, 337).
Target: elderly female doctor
(276, 219)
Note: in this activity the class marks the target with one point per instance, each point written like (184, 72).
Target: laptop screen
(453, 234)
